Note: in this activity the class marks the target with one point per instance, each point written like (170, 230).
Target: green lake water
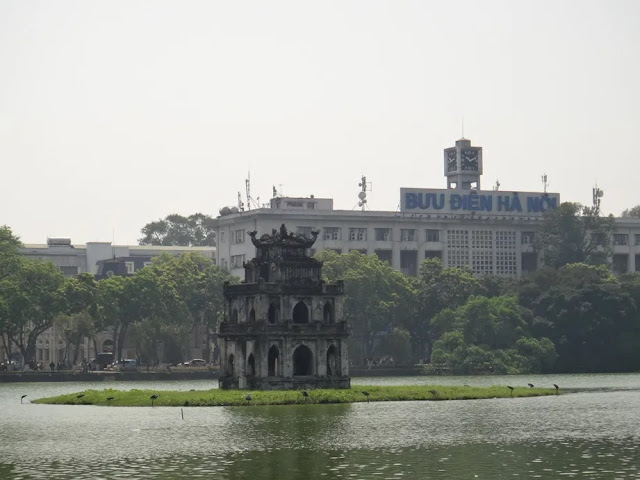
(593, 433)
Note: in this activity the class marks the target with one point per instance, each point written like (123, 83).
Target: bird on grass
(110, 398)
(80, 396)
(305, 395)
(247, 397)
(510, 388)
(153, 398)
(433, 392)
(21, 398)
(366, 394)
(557, 388)
(530, 385)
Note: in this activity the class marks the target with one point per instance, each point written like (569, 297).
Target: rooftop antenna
(247, 186)
(598, 193)
(463, 126)
(362, 195)
(496, 187)
(240, 204)
(250, 200)
(545, 184)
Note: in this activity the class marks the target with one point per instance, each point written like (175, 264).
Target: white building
(489, 231)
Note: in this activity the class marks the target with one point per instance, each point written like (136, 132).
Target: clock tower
(463, 165)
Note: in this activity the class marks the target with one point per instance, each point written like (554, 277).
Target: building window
(237, 261)
(69, 271)
(433, 235)
(237, 236)
(305, 231)
(223, 263)
(130, 268)
(221, 237)
(383, 234)
(295, 204)
(311, 205)
(407, 235)
(637, 238)
(332, 233)
(620, 239)
(146, 264)
(527, 238)
(357, 234)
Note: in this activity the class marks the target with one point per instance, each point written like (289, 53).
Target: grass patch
(218, 397)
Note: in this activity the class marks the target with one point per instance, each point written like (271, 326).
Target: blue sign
(493, 202)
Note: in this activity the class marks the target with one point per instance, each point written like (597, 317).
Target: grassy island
(217, 397)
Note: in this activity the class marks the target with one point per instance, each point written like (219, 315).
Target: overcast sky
(116, 113)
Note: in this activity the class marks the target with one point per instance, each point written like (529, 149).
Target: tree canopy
(633, 212)
(573, 233)
(196, 230)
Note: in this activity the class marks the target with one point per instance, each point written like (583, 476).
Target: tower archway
(327, 313)
(302, 361)
(272, 361)
(251, 365)
(332, 360)
(301, 313)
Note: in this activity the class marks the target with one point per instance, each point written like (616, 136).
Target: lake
(593, 433)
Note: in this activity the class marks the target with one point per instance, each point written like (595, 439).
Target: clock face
(469, 159)
(452, 161)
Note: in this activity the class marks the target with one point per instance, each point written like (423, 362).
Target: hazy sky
(116, 113)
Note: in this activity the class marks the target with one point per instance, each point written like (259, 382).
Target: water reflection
(585, 435)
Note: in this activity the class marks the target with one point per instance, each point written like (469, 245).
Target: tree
(573, 233)
(633, 212)
(490, 334)
(32, 297)
(378, 297)
(196, 230)
(199, 284)
(437, 289)
(9, 261)
(590, 315)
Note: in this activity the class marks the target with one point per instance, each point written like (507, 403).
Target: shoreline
(219, 398)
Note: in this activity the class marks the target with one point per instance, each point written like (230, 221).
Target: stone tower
(283, 327)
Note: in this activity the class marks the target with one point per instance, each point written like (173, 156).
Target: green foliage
(196, 230)
(590, 315)
(397, 344)
(573, 233)
(377, 295)
(633, 212)
(218, 397)
(31, 298)
(490, 335)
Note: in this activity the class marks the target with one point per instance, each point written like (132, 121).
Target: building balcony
(318, 288)
(284, 329)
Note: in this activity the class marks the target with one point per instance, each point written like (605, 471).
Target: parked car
(127, 365)
(196, 362)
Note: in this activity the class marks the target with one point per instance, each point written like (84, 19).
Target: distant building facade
(102, 259)
(490, 231)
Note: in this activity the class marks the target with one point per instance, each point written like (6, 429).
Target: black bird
(80, 396)
(22, 398)
(510, 388)
(466, 386)
(557, 388)
(366, 394)
(305, 395)
(433, 392)
(110, 398)
(153, 397)
(247, 397)
(530, 385)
